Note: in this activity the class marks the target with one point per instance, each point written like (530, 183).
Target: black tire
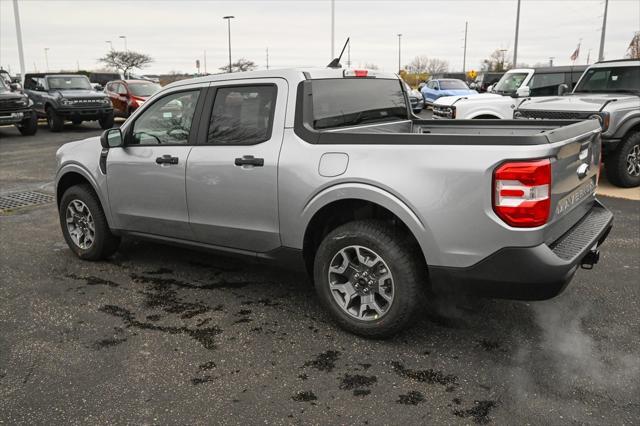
(617, 165)
(106, 122)
(403, 258)
(28, 126)
(104, 243)
(56, 123)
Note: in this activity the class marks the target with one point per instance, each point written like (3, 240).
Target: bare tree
(240, 65)
(437, 66)
(496, 61)
(125, 61)
(371, 66)
(419, 64)
(633, 51)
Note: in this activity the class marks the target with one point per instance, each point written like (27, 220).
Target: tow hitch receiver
(590, 259)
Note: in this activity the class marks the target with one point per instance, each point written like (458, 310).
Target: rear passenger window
(546, 84)
(242, 115)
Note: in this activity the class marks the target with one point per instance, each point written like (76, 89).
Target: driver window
(167, 121)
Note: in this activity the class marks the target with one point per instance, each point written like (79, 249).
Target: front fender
(373, 194)
(625, 126)
(99, 187)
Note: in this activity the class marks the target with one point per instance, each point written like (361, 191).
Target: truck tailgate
(575, 173)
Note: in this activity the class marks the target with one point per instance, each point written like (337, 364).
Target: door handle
(167, 159)
(249, 160)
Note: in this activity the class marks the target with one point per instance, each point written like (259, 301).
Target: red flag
(575, 53)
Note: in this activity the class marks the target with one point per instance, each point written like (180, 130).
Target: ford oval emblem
(582, 171)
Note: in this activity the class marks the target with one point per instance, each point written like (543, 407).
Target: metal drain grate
(24, 199)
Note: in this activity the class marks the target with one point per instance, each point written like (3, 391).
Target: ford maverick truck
(329, 169)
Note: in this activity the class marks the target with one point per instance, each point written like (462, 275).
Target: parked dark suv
(60, 97)
(16, 108)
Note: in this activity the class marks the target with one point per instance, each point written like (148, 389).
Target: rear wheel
(106, 122)
(56, 123)
(28, 126)
(623, 164)
(369, 277)
(84, 225)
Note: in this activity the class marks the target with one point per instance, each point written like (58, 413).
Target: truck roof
(549, 70)
(617, 63)
(287, 73)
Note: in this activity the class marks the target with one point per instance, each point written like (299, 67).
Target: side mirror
(522, 92)
(39, 88)
(98, 88)
(14, 86)
(112, 138)
(562, 89)
(473, 85)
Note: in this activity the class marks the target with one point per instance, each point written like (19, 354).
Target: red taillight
(356, 73)
(522, 192)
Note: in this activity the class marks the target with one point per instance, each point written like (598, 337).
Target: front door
(146, 177)
(232, 174)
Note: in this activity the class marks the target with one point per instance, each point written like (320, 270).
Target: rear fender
(372, 194)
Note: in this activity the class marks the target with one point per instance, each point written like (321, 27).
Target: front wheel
(106, 122)
(84, 225)
(370, 278)
(623, 164)
(56, 123)
(28, 126)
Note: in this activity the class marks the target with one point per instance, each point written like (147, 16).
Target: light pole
(333, 28)
(604, 30)
(16, 15)
(125, 42)
(464, 56)
(110, 43)
(399, 52)
(46, 58)
(515, 46)
(229, 18)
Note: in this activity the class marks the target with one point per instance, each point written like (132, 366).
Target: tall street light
(125, 42)
(399, 53)
(515, 46)
(229, 18)
(46, 58)
(110, 43)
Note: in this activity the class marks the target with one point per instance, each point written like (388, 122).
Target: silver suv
(328, 169)
(609, 92)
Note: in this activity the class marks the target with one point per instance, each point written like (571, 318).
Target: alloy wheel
(633, 161)
(361, 283)
(80, 224)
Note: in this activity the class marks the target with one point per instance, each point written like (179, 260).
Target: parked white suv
(514, 87)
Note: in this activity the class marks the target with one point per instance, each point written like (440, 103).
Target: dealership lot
(162, 334)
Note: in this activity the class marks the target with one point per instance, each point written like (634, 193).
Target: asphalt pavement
(159, 334)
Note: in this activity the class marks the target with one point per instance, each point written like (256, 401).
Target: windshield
(510, 82)
(453, 85)
(143, 89)
(614, 79)
(349, 101)
(3, 86)
(75, 82)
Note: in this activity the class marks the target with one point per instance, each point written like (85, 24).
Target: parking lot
(161, 334)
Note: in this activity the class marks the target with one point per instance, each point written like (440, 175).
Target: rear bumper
(531, 273)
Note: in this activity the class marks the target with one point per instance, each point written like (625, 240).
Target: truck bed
(454, 132)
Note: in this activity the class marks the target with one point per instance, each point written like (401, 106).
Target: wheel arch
(73, 174)
(343, 203)
(628, 127)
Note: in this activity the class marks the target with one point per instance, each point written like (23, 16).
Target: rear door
(146, 177)
(232, 174)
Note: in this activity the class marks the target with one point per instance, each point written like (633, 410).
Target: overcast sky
(298, 32)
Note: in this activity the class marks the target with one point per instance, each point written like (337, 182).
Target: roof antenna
(336, 62)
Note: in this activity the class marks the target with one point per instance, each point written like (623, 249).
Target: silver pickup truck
(327, 169)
